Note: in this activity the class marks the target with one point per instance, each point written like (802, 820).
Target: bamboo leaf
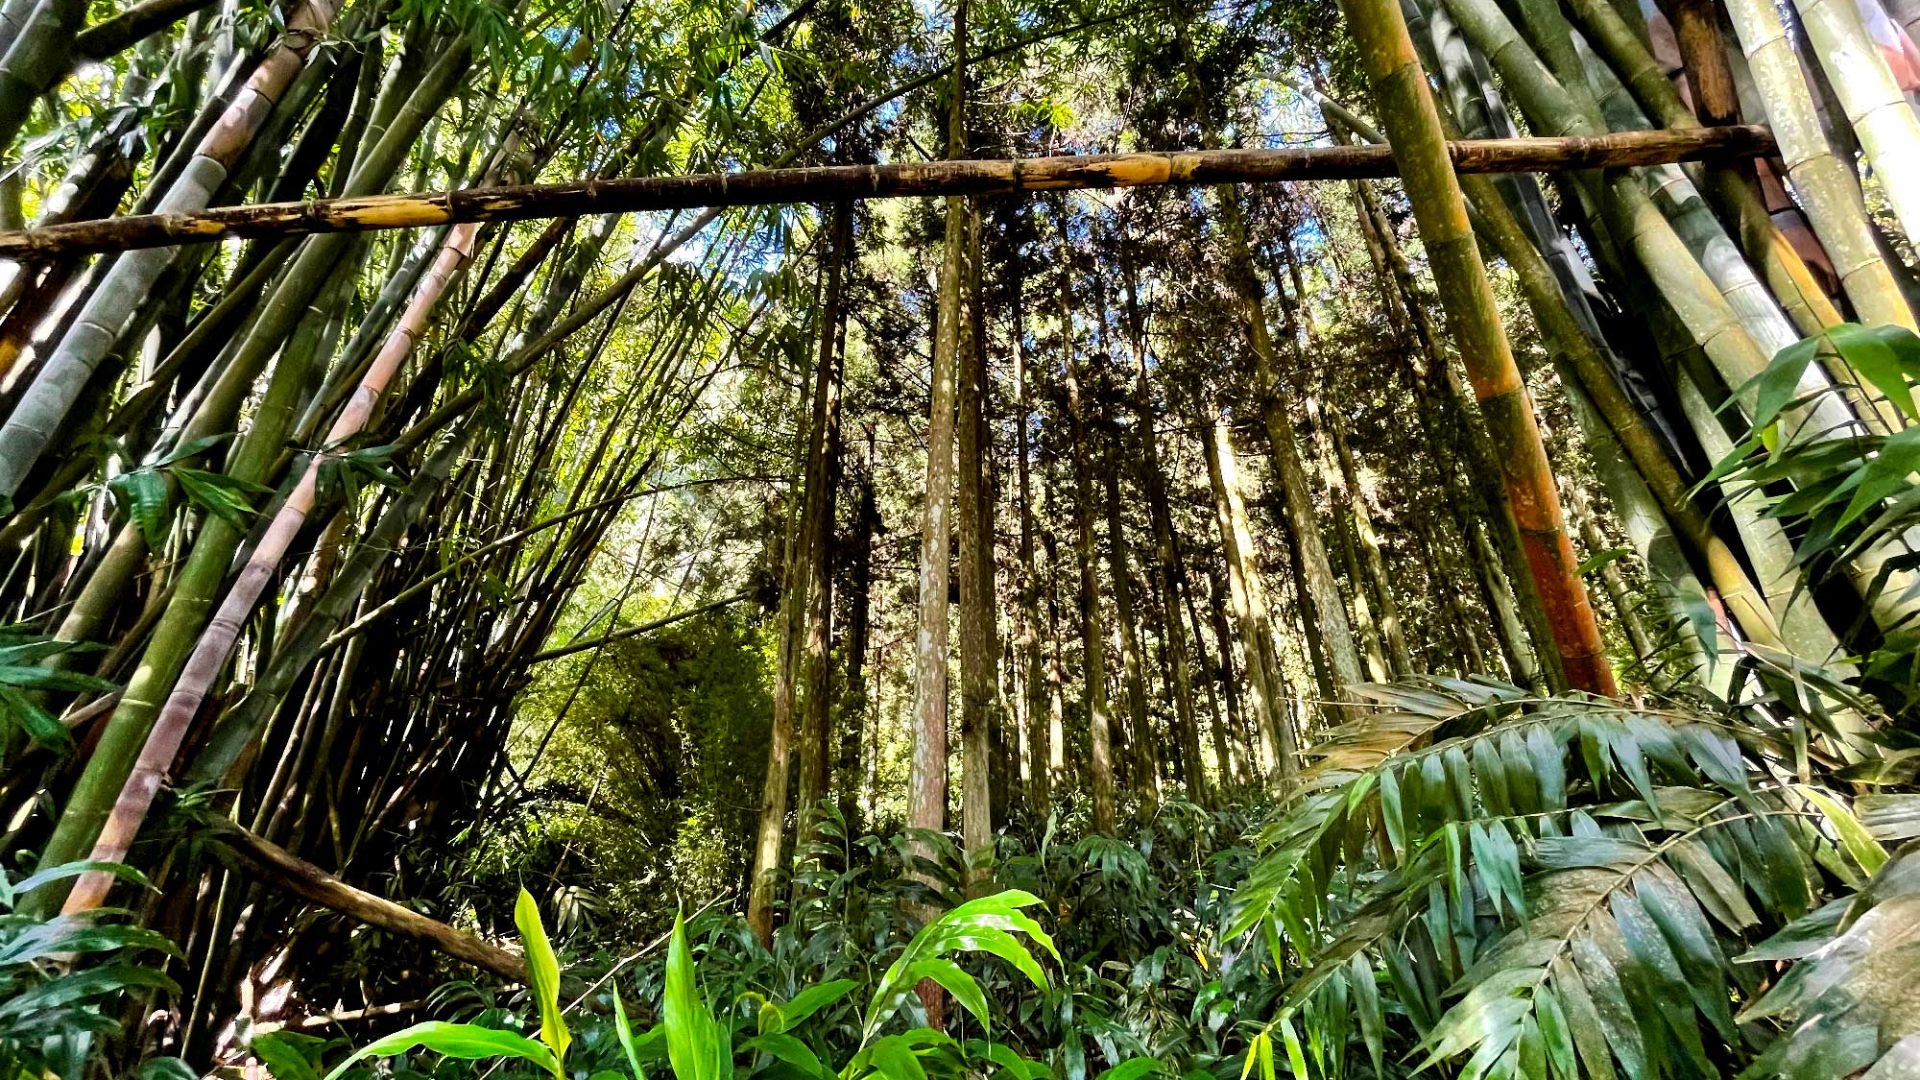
(463, 1042)
(543, 973)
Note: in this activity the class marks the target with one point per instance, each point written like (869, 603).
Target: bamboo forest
(959, 539)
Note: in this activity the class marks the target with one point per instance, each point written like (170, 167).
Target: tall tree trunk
(1092, 633)
(1266, 700)
(927, 781)
(817, 668)
(1336, 663)
(1373, 565)
(1027, 647)
(1145, 764)
(979, 647)
(854, 704)
(1232, 725)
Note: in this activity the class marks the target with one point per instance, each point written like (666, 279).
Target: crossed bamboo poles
(835, 183)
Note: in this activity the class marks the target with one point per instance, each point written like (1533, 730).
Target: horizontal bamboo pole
(840, 182)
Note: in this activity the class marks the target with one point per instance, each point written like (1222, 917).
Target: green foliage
(700, 1043)
(1851, 493)
(1580, 888)
(61, 977)
(25, 673)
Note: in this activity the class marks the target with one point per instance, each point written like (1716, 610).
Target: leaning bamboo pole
(44, 407)
(1888, 128)
(833, 183)
(1419, 146)
(210, 653)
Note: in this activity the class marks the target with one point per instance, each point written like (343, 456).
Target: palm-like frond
(1573, 887)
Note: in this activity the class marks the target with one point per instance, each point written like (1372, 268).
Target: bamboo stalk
(831, 183)
(1888, 128)
(295, 875)
(44, 407)
(1413, 123)
(210, 653)
(1826, 187)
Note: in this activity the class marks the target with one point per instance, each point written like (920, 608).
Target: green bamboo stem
(40, 53)
(179, 629)
(1660, 552)
(1625, 427)
(210, 652)
(1413, 126)
(114, 303)
(1880, 114)
(1824, 186)
(1633, 62)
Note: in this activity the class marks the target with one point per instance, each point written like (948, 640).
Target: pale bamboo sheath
(210, 653)
(1826, 187)
(1888, 129)
(44, 407)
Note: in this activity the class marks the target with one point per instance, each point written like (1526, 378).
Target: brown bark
(824, 475)
(1265, 700)
(1145, 766)
(1372, 564)
(979, 648)
(853, 703)
(1336, 665)
(1092, 633)
(275, 866)
(950, 178)
(1028, 652)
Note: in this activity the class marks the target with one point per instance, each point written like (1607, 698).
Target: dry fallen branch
(834, 183)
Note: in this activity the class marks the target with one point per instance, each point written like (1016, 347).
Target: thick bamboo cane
(216, 643)
(833, 183)
(1826, 187)
(1888, 128)
(71, 366)
(1413, 125)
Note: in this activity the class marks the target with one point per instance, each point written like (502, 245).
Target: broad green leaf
(142, 494)
(464, 1042)
(1133, 1069)
(647, 1047)
(83, 986)
(1860, 844)
(811, 1000)
(894, 1059)
(786, 1048)
(282, 1056)
(1887, 357)
(543, 972)
(964, 988)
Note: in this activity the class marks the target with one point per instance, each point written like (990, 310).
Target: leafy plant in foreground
(1508, 887)
(699, 1044)
(60, 977)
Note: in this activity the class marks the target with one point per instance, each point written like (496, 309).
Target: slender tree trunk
(817, 670)
(1027, 649)
(979, 649)
(1092, 633)
(1266, 700)
(1336, 664)
(1145, 764)
(1373, 564)
(854, 704)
